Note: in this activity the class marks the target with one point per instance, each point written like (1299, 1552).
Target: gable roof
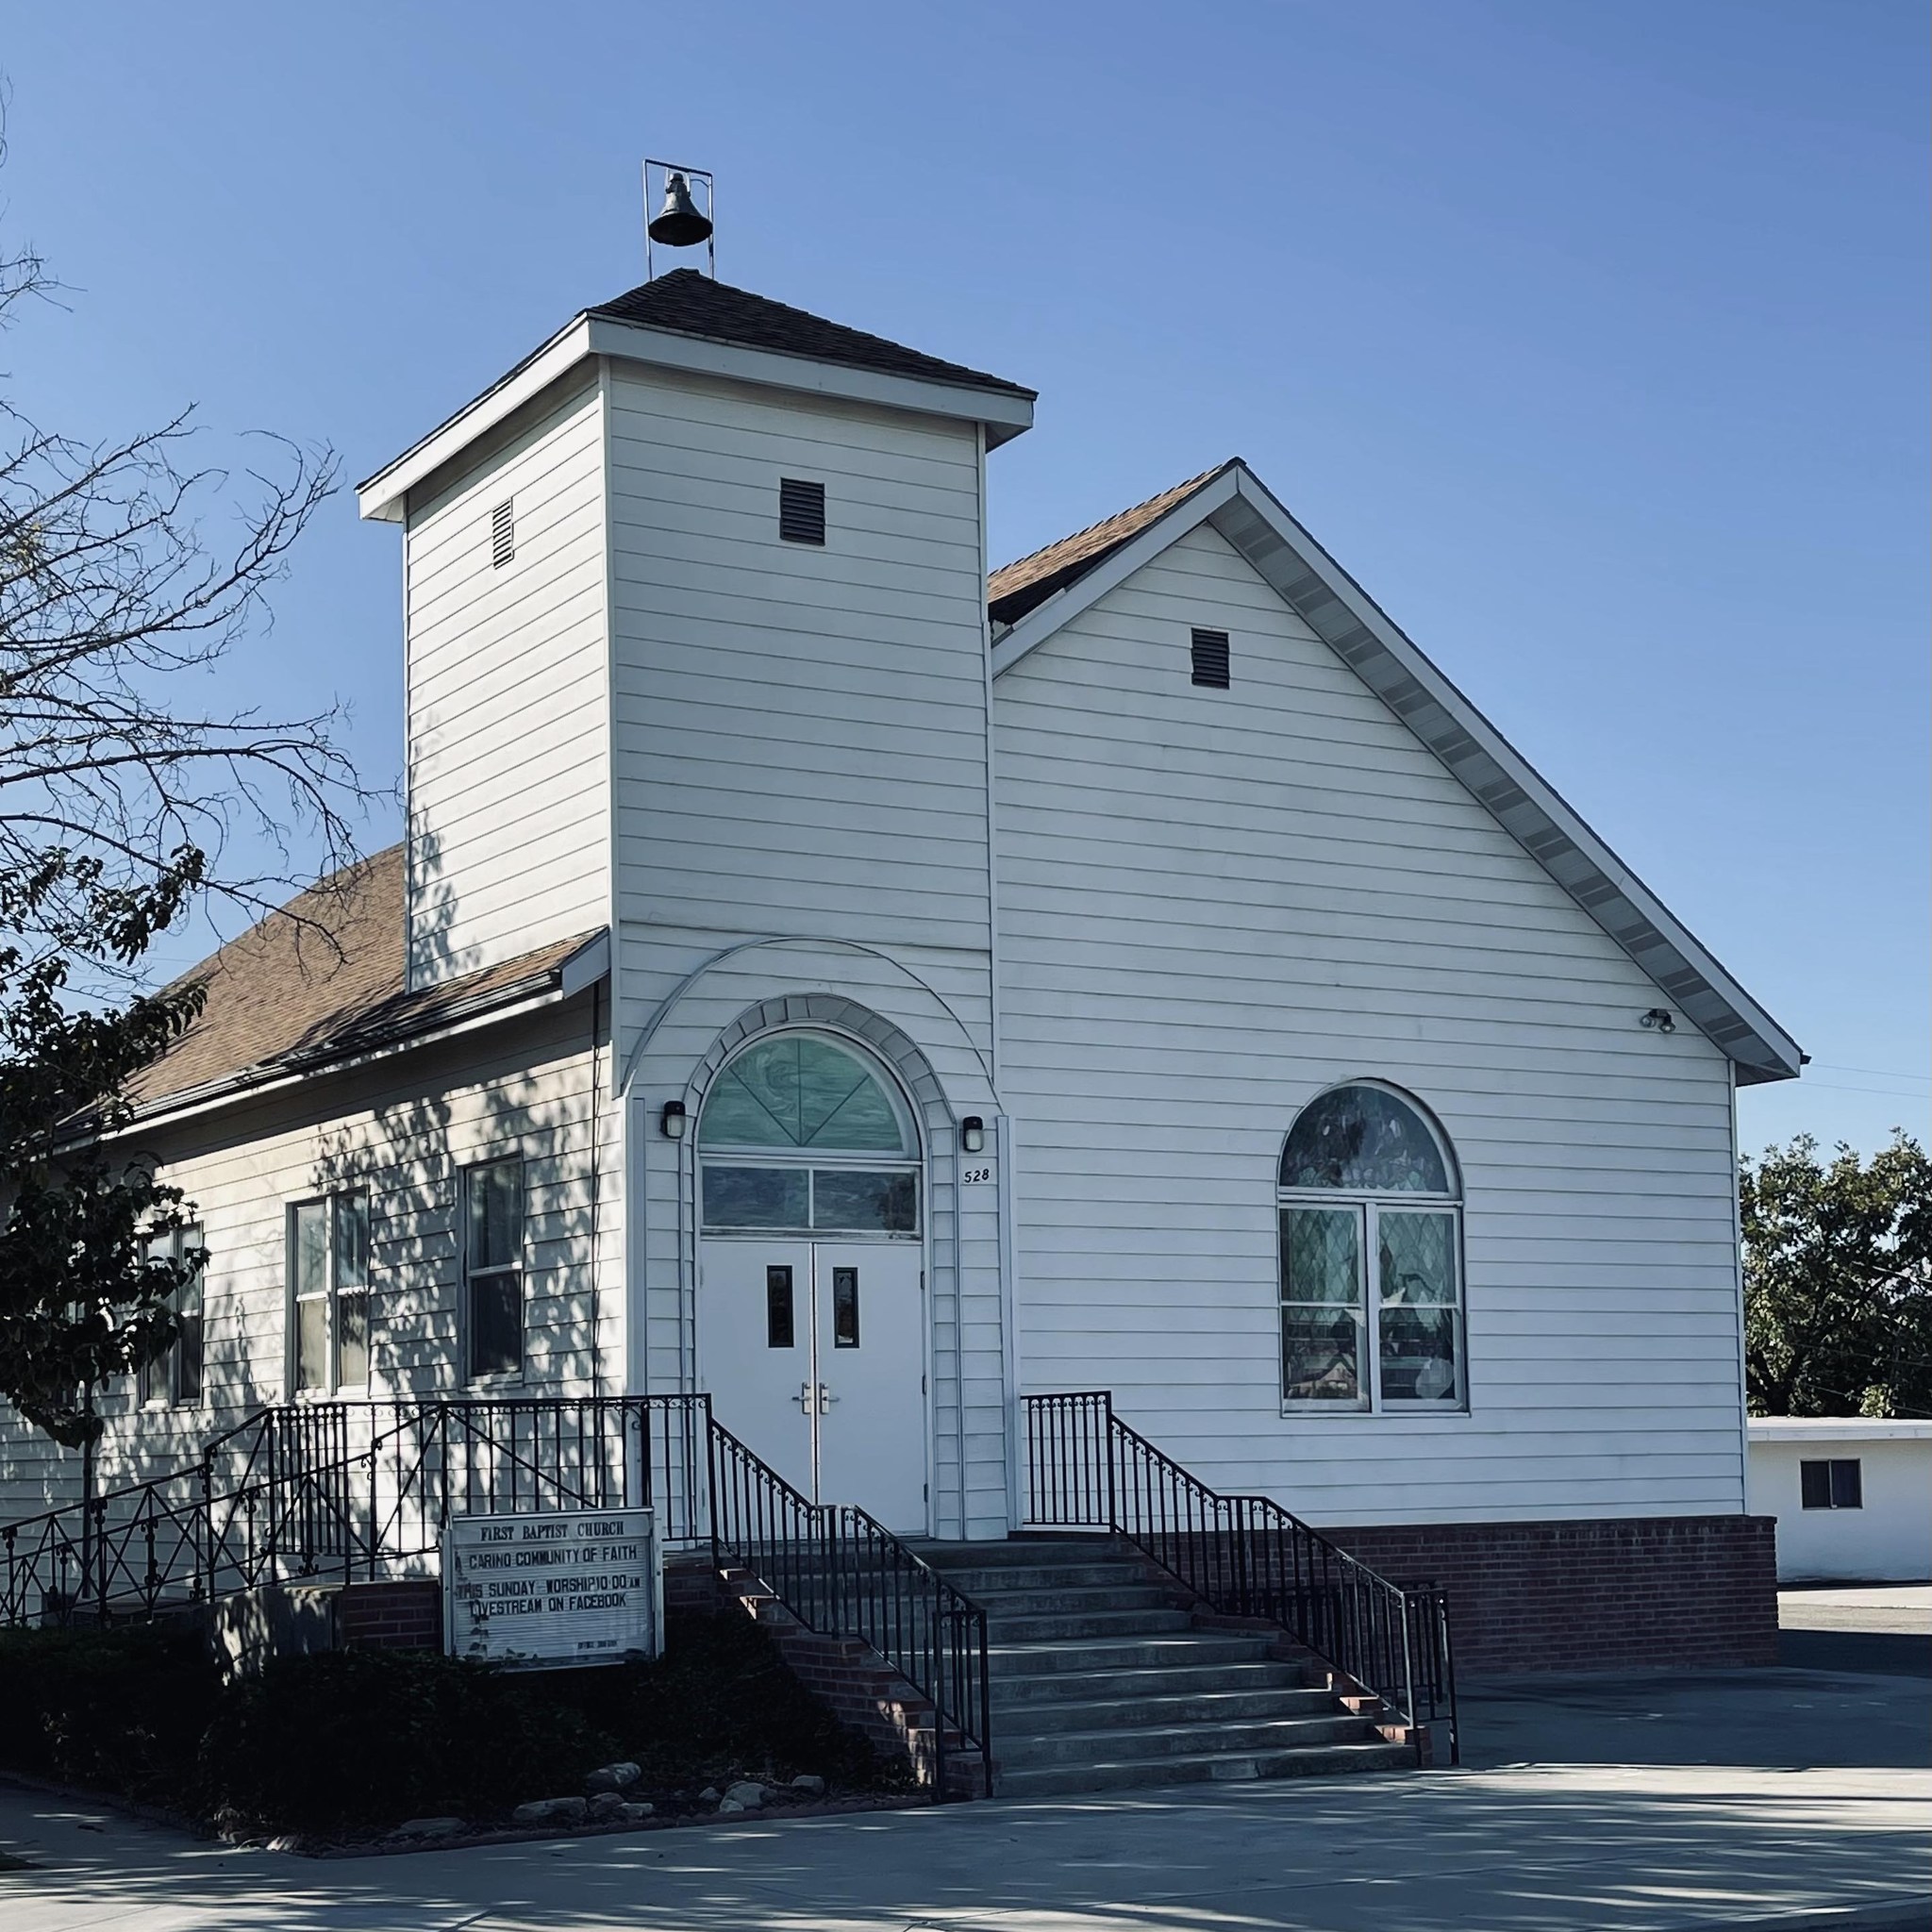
(282, 999)
(1235, 501)
(690, 304)
(1015, 588)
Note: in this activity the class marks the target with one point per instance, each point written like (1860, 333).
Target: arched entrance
(812, 1329)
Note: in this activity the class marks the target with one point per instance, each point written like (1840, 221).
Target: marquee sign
(541, 1591)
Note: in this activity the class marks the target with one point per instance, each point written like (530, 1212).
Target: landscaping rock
(607, 1807)
(808, 1783)
(746, 1793)
(551, 1811)
(633, 1814)
(430, 1828)
(728, 1807)
(286, 1842)
(613, 1778)
(709, 1795)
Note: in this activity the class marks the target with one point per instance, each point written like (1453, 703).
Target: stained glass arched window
(1370, 1257)
(1364, 1139)
(801, 1090)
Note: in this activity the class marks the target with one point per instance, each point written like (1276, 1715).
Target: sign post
(545, 1591)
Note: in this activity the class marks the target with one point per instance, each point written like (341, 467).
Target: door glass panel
(780, 1323)
(845, 1307)
(865, 1200)
(757, 1197)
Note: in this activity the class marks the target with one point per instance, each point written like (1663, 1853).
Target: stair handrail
(840, 1571)
(1244, 1556)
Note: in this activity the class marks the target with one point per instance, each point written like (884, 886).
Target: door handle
(804, 1397)
(825, 1399)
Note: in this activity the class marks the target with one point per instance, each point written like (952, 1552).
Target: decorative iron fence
(359, 1490)
(1242, 1555)
(838, 1571)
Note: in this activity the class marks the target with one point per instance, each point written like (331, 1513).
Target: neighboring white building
(1142, 970)
(1852, 1496)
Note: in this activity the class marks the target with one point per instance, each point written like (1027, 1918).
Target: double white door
(814, 1353)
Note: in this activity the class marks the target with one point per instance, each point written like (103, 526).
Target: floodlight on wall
(671, 1122)
(972, 1133)
(683, 219)
(1659, 1019)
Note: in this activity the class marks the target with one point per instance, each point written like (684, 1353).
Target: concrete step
(1070, 1626)
(992, 1580)
(1074, 1600)
(1120, 1745)
(1012, 1691)
(1231, 1766)
(1017, 1657)
(1018, 1551)
(1128, 1709)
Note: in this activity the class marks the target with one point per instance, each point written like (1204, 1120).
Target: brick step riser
(1165, 1652)
(1236, 1768)
(1128, 1745)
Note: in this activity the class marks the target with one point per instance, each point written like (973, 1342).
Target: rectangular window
(1838, 1484)
(328, 1289)
(780, 1331)
(1371, 1306)
(493, 1268)
(845, 1307)
(174, 1377)
(1210, 657)
(503, 533)
(801, 510)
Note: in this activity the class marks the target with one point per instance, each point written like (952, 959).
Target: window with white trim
(328, 1292)
(174, 1377)
(493, 1268)
(1370, 1257)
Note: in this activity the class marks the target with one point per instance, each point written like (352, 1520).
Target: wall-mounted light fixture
(670, 1122)
(972, 1133)
(1659, 1018)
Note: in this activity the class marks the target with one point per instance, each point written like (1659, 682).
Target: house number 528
(975, 1177)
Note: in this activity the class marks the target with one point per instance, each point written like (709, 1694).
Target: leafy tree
(124, 803)
(1837, 1280)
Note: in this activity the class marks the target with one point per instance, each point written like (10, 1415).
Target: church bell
(679, 223)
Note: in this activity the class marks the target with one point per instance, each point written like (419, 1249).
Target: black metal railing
(348, 1491)
(1242, 1555)
(840, 1573)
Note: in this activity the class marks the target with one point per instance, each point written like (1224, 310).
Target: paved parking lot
(1798, 1798)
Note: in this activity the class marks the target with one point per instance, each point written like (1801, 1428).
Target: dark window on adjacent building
(801, 510)
(1834, 1485)
(493, 1268)
(175, 1376)
(503, 533)
(1210, 659)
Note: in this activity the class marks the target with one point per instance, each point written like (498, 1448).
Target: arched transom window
(1371, 1257)
(806, 1133)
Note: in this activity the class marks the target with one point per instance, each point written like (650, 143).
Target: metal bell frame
(665, 171)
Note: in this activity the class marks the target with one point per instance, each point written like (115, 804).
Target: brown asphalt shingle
(1016, 589)
(280, 994)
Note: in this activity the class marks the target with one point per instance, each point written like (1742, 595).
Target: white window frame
(466, 1325)
(165, 1369)
(1367, 1205)
(331, 1295)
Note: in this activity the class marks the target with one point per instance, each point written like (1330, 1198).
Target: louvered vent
(801, 510)
(1210, 659)
(503, 533)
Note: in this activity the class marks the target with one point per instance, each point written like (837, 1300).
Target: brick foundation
(1621, 1594)
(390, 1616)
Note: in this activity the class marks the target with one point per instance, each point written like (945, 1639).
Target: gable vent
(1210, 659)
(801, 510)
(503, 533)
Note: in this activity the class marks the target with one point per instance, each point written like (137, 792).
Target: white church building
(872, 991)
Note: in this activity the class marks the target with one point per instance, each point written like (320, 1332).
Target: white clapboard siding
(403, 1130)
(800, 755)
(507, 697)
(1213, 904)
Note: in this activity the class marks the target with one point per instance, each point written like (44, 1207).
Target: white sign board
(572, 1587)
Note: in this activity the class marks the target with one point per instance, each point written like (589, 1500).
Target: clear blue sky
(1589, 336)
